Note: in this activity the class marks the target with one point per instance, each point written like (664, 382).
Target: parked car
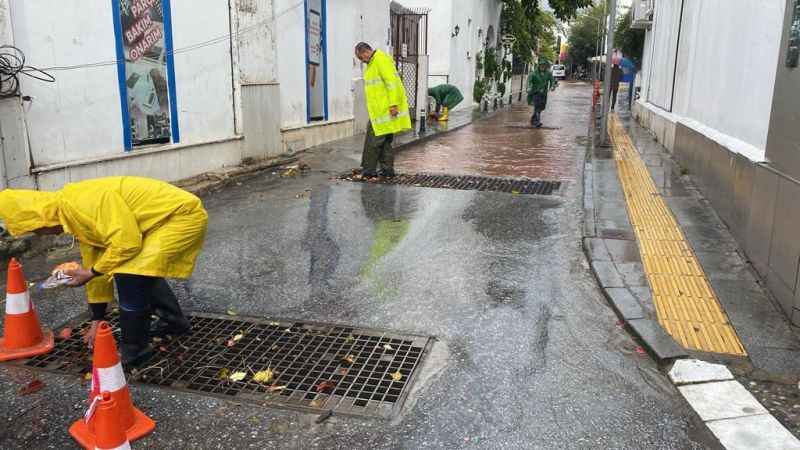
(559, 71)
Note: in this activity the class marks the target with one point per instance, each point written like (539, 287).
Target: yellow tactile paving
(686, 304)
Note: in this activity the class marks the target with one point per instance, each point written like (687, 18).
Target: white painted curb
(735, 417)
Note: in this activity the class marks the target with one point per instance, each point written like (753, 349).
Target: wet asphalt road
(528, 354)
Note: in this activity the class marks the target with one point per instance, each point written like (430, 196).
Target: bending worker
(446, 97)
(388, 110)
(134, 231)
(540, 82)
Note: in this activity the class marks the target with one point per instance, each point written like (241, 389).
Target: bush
(478, 90)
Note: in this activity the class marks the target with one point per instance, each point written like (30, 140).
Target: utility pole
(612, 22)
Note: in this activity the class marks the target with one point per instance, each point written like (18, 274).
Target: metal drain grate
(467, 183)
(315, 367)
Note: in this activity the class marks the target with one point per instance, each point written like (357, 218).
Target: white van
(559, 71)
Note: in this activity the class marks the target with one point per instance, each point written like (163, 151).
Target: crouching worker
(132, 231)
(446, 97)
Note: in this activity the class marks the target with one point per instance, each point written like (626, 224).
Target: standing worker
(540, 82)
(388, 110)
(134, 231)
(446, 97)
(616, 77)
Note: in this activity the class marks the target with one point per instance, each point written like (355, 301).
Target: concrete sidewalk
(771, 368)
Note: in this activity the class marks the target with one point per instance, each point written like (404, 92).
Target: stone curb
(654, 339)
(729, 411)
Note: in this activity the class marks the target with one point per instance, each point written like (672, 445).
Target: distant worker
(132, 231)
(388, 111)
(540, 82)
(446, 97)
(616, 77)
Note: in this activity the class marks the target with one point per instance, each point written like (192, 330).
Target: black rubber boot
(171, 320)
(135, 347)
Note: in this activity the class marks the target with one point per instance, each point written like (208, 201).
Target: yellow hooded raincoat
(126, 225)
(384, 88)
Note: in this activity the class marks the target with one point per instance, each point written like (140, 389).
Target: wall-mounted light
(455, 31)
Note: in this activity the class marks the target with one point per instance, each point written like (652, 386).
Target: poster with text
(145, 70)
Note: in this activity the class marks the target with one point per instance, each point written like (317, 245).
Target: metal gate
(409, 38)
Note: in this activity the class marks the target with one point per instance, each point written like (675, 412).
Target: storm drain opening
(468, 183)
(307, 366)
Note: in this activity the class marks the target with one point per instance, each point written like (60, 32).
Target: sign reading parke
(145, 70)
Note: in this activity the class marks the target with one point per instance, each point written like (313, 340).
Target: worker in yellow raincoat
(134, 231)
(387, 106)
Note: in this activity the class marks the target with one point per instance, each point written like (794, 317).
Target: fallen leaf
(65, 333)
(230, 343)
(237, 376)
(515, 192)
(34, 386)
(343, 372)
(88, 376)
(264, 376)
(349, 339)
(397, 376)
(231, 312)
(387, 347)
(157, 339)
(349, 359)
(238, 337)
(162, 349)
(275, 324)
(641, 351)
(276, 388)
(326, 387)
(223, 374)
(316, 403)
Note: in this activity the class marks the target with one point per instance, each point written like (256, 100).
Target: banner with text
(145, 53)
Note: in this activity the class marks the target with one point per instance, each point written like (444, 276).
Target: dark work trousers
(139, 293)
(614, 91)
(539, 105)
(377, 150)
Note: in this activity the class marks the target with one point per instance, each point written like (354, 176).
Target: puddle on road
(502, 146)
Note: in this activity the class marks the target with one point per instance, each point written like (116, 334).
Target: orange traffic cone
(107, 376)
(109, 434)
(23, 336)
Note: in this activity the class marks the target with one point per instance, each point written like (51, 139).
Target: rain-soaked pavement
(505, 145)
(528, 353)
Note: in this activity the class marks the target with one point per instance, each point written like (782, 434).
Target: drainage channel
(306, 366)
(495, 184)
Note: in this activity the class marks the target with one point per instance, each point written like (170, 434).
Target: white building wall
(440, 30)
(730, 54)
(257, 44)
(724, 72)
(78, 116)
(453, 58)
(74, 125)
(348, 22)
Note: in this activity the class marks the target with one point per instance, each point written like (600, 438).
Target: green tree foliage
(585, 33)
(532, 27)
(628, 40)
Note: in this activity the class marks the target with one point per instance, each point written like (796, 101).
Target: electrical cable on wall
(12, 64)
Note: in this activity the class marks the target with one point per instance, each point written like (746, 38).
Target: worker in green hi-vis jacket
(540, 82)
(447, 97)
